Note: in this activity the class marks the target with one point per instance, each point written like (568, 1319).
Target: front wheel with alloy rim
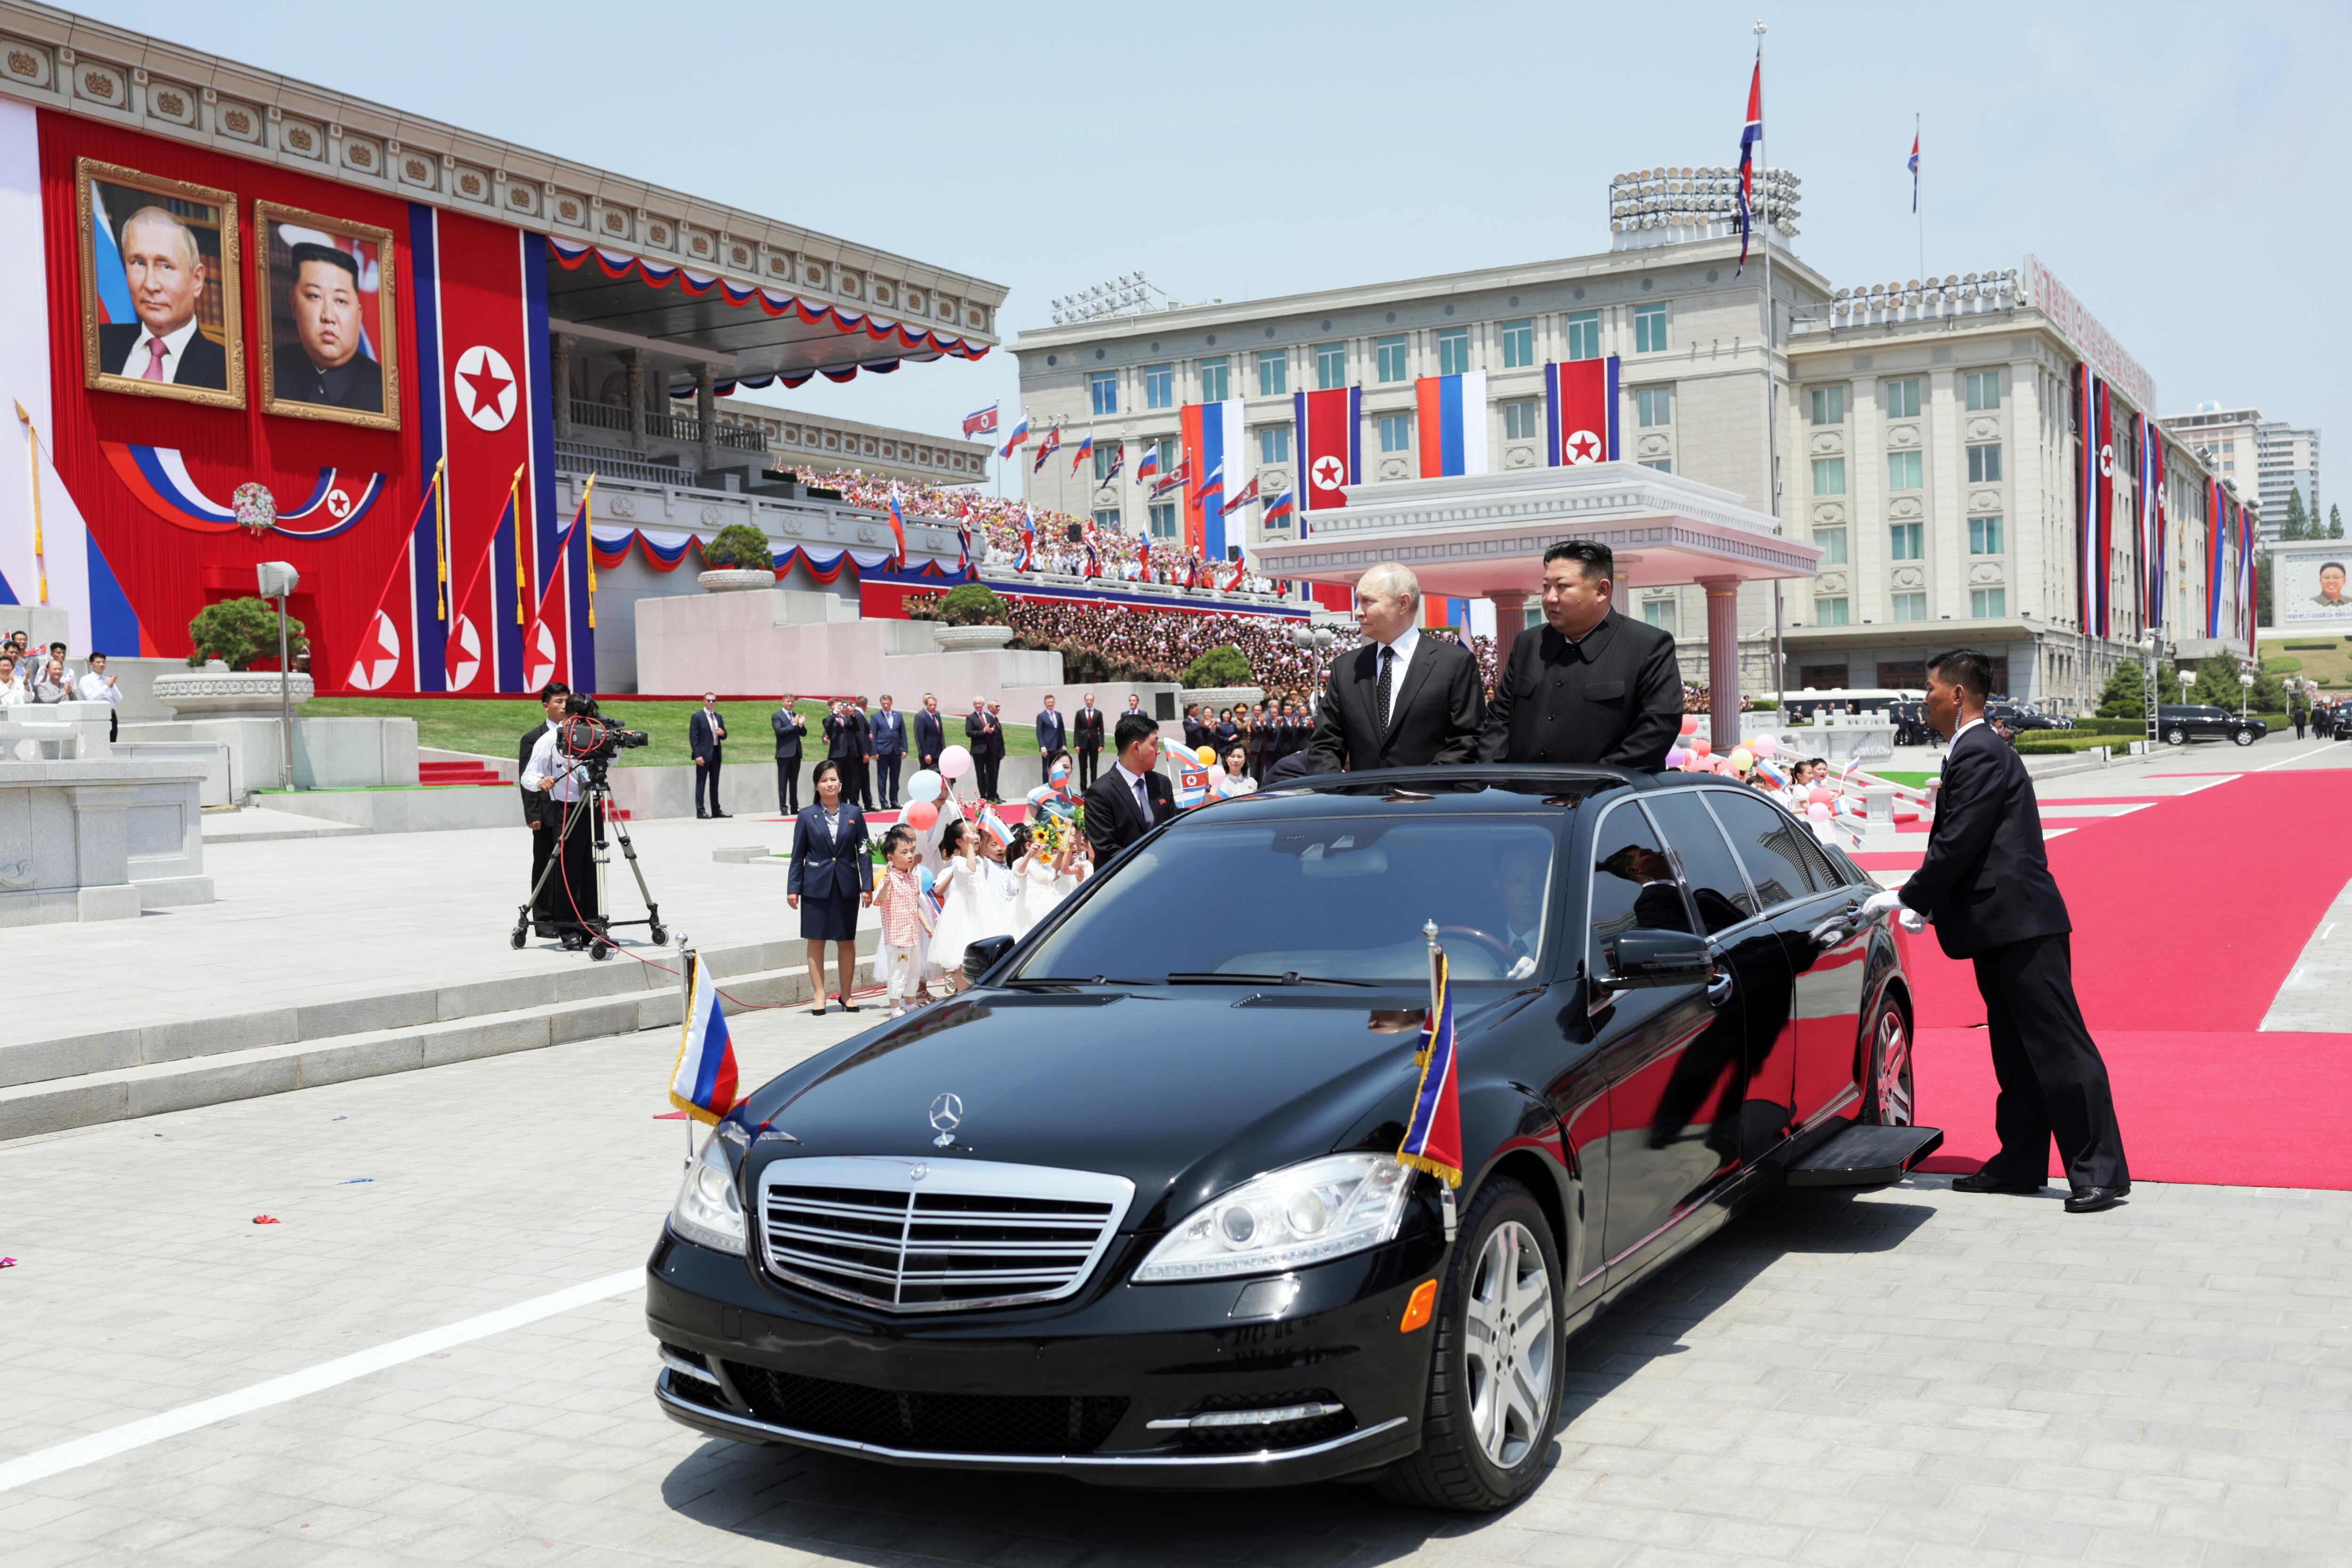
(1888, 1093)
(2243, 737)
(1495, 1369)
(2175, 736)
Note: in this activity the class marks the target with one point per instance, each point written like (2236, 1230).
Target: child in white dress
(975, 891)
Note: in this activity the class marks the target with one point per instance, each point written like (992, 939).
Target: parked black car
(2197, 721)
(1129, 1210)
(2016, 718)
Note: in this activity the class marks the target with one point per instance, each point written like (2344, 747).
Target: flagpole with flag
(1754, 131)
(702, 1083)
(1918, 217)
(40, 545)
(1433, 1141)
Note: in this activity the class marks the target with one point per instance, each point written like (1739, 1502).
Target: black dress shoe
(703, 816)
(2090, 1200)
(1980, 1183)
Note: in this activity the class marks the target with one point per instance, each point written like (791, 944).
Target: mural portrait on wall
(325, 288)
(159, 314)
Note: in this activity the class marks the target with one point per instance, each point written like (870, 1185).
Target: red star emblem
(487, 387)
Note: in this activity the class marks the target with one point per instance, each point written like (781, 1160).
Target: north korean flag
(1331, 449)
(1581, 416)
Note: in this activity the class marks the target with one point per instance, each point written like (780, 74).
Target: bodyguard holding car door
(1986, 884)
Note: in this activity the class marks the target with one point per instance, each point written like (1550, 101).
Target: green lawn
(492, 726)
(1904, 776)
(2330, 666)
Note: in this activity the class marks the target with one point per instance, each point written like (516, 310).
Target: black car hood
(1184, 1091)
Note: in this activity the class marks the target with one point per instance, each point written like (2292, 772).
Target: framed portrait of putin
(324, 289)
(160, 311)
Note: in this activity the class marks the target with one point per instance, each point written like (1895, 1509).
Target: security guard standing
(1593, 686)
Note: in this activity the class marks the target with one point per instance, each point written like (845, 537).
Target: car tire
(2243, 737)
(2175, 736)
(1482, 1445)
(1889, 1096)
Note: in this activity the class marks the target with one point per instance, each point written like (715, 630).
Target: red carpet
(2181, 941)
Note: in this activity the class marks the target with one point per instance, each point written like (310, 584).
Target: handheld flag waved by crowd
(928, 904)
(1191, 775)
(702, 1084)
(1433, 1141)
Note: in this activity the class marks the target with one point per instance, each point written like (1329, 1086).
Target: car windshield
(1330, 898)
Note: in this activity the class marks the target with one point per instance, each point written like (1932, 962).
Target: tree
(2263, 617)
(2125, 692)
(974, 606)
(2296, 525)
(238, 631)
(741, 547)
(2334, 522)
(2217, 686)
(1226, 665)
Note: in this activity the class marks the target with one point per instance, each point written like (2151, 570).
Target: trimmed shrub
(1225, 666)
(974, 606)
(238, 631)
(738, 547)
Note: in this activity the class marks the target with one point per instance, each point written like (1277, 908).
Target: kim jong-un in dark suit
(1610, 694)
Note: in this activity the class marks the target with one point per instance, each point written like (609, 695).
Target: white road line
(88, 1450)
(2298, 757)
(2326, 929)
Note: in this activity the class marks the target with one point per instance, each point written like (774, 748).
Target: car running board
(1865, 1156)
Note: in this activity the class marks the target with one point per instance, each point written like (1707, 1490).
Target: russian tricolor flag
(1453, 410)
(702, 1084)
(1213, 445)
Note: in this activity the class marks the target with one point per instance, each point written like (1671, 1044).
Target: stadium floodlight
(1128, 293)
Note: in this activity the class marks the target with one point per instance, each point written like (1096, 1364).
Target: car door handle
(1830, 933)
(1719, 989)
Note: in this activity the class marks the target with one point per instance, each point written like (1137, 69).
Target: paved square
(1911, 1376)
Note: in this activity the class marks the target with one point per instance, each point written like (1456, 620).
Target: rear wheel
(1495, 1370)
(1887, 1096)
(2243, 737)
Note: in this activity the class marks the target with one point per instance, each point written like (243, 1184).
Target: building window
(1216, 385)
(1905, 471)
(1984, 536)
(1518, 344)
(1396, 432)
(1104, 456)
(1103, 385)
(1829, 405)
(1984, 464)
(1159, 386)
(1649, 329)
(1983, 390)
(1910, 606)
(1660, 613)
(1903, 399)
(1392, 358)
(1168, 455)
(1904, 541)
(1829, 476)
(1654, 405)
(1663, 465)
(1106, 520)
(1830, 612)
(1584, 335)
(1273, 373)
(1521, 421)
(1832, 543)
(1330, 365)
(1453, 350)
(1988, 603)
(1274, 444)
(1164, 520)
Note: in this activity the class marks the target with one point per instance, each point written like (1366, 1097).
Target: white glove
(1913, 921)
(1879, 904)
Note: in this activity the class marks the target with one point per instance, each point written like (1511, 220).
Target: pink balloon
(1690, 723)
(954, 762)
(921, 814)
(1700, 746)
(1765, 745)
(1675, 756)
(1820, 794)
(1817, 811)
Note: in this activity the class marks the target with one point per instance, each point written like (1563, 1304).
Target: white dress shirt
(96, 688)
(549, 772)
(1402, 647)
(1964, 729)
(134, 364)
(1137, 788)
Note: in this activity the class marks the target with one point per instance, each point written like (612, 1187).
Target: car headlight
(1302, 1213)
(708, 1212)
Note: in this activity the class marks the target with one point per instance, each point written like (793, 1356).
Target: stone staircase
(77, 1081)
(456, 774)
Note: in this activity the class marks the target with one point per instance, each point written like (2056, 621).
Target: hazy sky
(2162, 159)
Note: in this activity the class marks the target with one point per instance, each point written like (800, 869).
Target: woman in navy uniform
(832, 876)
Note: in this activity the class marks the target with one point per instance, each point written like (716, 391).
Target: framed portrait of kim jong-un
(159, 287)
(324, 289)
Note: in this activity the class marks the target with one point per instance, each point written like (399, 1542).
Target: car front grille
(914, 1236)
(939, 1423)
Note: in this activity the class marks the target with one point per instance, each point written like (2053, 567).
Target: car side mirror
(1641, 960)
(982, 956)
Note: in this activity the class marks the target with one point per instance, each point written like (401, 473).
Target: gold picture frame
(205, 358)
(313, 305)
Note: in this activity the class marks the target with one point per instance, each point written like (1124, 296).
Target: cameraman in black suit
(1593, 686)
(1404, 700)
(544, 822)
(1986, 884)
(1132, 797)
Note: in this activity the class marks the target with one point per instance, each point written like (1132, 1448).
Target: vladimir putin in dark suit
(1131, 797)
(1591, 686)
(1404, 700)
(164, 272)
(1986, 884)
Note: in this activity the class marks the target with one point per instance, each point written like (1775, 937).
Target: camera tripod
(596, 799)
